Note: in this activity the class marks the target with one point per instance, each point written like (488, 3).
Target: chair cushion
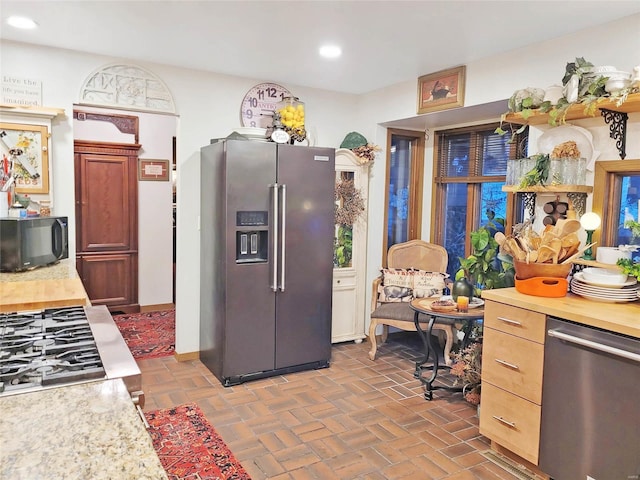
(405, 284)
(397, 285)
(402, 311)
(428, 284)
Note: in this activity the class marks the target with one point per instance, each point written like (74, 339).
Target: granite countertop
(63, 270)
(84, 431)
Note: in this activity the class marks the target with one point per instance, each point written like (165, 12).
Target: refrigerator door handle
(282, 234)
(274, 261)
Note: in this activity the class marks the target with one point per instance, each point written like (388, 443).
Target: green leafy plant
(539, 174)
(591, 91)
(634, 227)
(579, 67)
(344, 246)
(629, 267)
(483, 268)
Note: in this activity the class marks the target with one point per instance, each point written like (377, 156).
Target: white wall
(208, 107)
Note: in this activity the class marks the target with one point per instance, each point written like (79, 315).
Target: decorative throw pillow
(428, 284)
(397, 285)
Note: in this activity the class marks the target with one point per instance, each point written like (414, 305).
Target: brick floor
(357, 419)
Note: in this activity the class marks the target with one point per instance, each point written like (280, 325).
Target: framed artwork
(29, 144)
(441, 90)
(149, 169)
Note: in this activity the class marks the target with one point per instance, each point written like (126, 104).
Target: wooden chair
(416, 254)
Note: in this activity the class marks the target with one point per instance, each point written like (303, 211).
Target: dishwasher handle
(618, 352)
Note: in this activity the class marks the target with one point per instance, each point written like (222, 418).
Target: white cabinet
(350, 260)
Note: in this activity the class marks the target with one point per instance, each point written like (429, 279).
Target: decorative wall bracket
(617, 122)
(529, 199)
(579, 201)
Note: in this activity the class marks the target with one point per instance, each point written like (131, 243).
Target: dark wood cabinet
(107, 222)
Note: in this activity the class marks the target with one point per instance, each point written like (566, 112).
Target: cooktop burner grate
(51, 347)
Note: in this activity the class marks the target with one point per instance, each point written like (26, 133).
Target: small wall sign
(149, 169)
(25, 92)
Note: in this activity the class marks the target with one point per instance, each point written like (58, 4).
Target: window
(469, 172)
(616, 198)
(403, 200)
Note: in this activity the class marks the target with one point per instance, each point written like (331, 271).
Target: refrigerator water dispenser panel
(251, 245)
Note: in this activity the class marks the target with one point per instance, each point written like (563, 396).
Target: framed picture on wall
(441, 90)
(25, 148)
(149, 169)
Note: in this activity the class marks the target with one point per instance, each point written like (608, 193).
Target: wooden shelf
(43, 112)
(549, 189)
(577, 111)
(593, 263)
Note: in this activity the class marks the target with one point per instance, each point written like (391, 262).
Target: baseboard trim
(185, 357)
(156, 308)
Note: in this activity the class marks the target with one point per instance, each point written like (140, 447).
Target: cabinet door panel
(105, 203)
(108, 278)
(510, 421)
(513, 364)
(516, 321)
(344, 325)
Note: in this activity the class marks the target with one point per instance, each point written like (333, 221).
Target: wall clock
(259, 104)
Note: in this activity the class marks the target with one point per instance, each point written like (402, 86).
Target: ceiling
(383, 42)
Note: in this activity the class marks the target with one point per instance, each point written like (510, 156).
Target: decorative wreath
(350, 203)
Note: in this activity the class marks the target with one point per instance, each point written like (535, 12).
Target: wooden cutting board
(39, 294)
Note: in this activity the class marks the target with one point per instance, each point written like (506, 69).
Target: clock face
(259, 104)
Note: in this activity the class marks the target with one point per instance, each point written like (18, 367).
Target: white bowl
(615, 84)
(611, 255)
(604, 276)
(603, 69)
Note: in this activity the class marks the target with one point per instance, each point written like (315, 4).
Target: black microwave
(27, 243)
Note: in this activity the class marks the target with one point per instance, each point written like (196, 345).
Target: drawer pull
(509, 321)
(506, 422)
(507, 364)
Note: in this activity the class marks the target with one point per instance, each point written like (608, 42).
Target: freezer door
(249, 344)
(303, 308)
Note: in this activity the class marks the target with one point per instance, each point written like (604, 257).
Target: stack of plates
(625, 292)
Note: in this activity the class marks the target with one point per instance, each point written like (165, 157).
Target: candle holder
(590, 221)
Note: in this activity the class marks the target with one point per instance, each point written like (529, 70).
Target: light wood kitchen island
(513, 362)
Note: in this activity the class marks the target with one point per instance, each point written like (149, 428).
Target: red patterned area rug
(150, 334)
(189, 447)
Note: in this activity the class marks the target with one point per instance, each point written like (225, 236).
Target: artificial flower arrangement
(467, 367)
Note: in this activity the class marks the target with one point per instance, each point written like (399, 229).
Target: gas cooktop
(47, 348)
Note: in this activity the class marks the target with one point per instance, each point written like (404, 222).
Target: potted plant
(483, 269)
(627, 264)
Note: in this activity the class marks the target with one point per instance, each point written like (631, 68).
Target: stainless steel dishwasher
(590, 405)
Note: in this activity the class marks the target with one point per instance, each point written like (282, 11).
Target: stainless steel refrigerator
(267, 222)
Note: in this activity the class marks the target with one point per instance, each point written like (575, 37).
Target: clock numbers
(259, 104)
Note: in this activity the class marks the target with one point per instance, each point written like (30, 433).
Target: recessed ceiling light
(21, 22)
(330, 51)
